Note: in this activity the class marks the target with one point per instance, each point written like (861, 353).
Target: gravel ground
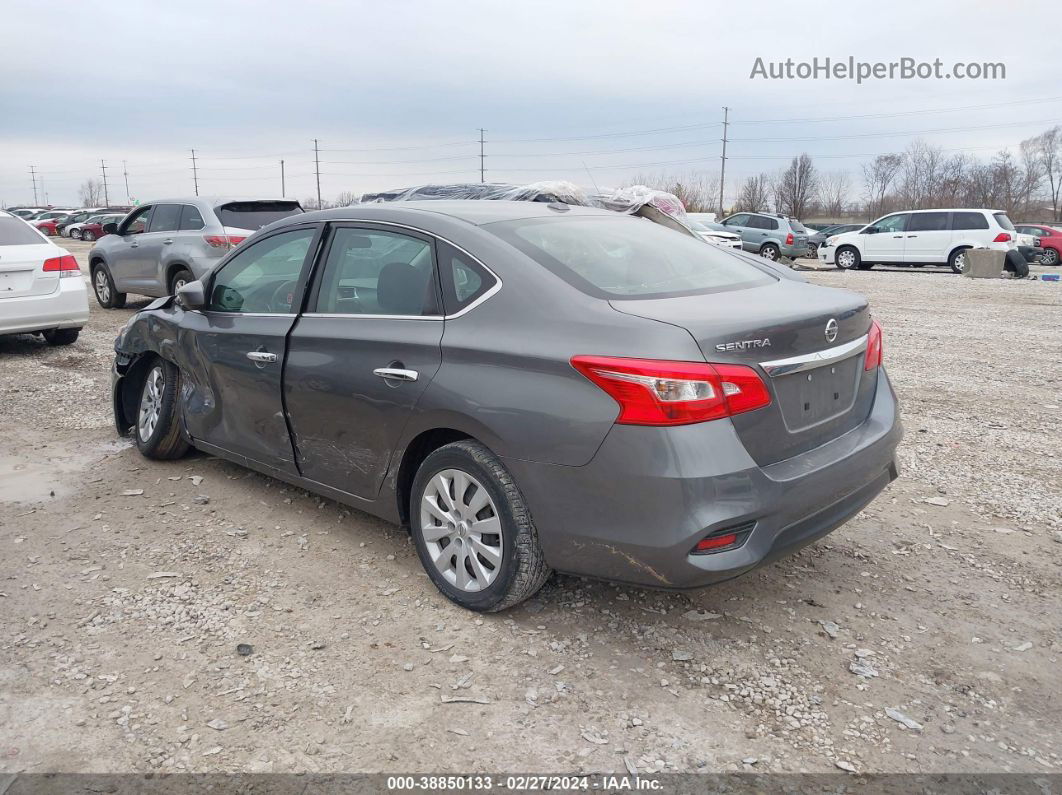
(921, 636)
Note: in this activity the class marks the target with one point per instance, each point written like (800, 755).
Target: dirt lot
(126, 585)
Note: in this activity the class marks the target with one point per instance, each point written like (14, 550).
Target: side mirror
(110, 229)
(191, 295)
(870, 230)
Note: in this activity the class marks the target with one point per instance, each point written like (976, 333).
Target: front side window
(137, 222)
(893, 223)
(165, 218)
(625, 257)
(737, 220)
(928, 222)
(372, 272)
(263, 278)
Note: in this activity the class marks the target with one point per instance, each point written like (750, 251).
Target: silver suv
(162, 246)
(769, 235)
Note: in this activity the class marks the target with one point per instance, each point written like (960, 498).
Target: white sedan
(42, 290)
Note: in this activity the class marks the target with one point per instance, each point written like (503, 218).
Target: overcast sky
(395, 91)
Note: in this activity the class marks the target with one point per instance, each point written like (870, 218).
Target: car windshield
(14, 232)
(625, 257)
(1004, 221)
(255, 215)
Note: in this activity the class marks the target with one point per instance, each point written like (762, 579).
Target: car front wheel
(847, 258)
(473, 531)
(158, 430)
(75, 234)
(103, 287)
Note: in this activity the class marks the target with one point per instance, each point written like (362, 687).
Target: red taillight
(223, 241)
(654, 392)
(789, 239)
(715, 542)
(1002, 237)
(874, 346)
(64, 266)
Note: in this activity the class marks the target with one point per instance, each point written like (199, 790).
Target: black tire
(163, 439)
(75, 234)
(522, 570)
(770, 251)
(88, 236)
(103, 286)
(813, 251)
(181, 277)
(957, 260)
(850, 261)
(61, 336)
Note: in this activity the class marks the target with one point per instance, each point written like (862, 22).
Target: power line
(900, 113)
(890, 134)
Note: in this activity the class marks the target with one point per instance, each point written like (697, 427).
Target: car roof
(216, 201)
(473, 211)
(950, 210)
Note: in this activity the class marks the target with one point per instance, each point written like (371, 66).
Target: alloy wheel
(1050, 257)
(462, 530)
(151, 403)
(102, 286)
(769, 252)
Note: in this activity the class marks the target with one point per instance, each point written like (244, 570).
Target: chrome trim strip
(350, 315)
(809, 361)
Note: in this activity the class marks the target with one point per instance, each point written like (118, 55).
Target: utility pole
(317, 170)
(125, 173)
(283, 190)
(195, 174)
(722, 165)
(482, 156)
(106, 195)
(33, 176)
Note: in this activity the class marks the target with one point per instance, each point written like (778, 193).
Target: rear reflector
(874, 346)
(223, 241)
(64, 266)
(715, 542)
(657, 392)
(722, 540)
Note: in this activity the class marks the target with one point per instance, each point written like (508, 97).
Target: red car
(47, 227)
(1050, 240)
(90, 232)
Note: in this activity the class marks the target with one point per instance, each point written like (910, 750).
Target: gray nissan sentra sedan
(530, 387)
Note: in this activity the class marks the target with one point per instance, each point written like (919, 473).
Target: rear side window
(1004, 221)
(15, 232)
(761, 222)
(625, 257)
(372, 272)
(464, 279)
(165, 218)
(928, 222)
(191, 218)
(255, 215)
(968, 220)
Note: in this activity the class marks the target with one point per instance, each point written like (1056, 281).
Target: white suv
(920, 237)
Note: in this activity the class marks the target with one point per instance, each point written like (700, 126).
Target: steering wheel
(283, 296)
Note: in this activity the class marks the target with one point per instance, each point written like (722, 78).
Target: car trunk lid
(808, 343)
(22, 271)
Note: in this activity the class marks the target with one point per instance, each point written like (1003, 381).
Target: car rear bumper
(67, 307)
(635, 512)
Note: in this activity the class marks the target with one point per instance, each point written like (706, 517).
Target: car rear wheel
(88, 235)
(957, 260)
(103, 287)
(473, 531)
(770, 251)
(61, 336)
(813, 251)
(158, 430)
(180, 279)
(847, 258)
(1050, 256)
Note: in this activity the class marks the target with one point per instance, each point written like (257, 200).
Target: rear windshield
(626, 257)
(255, 215)
(1004, 221)
(15, 232)
(796, 225)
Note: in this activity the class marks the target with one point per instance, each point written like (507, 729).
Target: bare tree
(878, 176)
(347, 198)
(755, 195)
(833, 193)
(795, 187)
(1048, 147)
(698, 191)
(91, 193)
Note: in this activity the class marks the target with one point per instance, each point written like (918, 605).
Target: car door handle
(262, 357)
(912, 235)
(134, 244)
(894, 237)
(167, 241)
(396, 374)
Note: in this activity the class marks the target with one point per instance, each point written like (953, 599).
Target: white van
(920, 237)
